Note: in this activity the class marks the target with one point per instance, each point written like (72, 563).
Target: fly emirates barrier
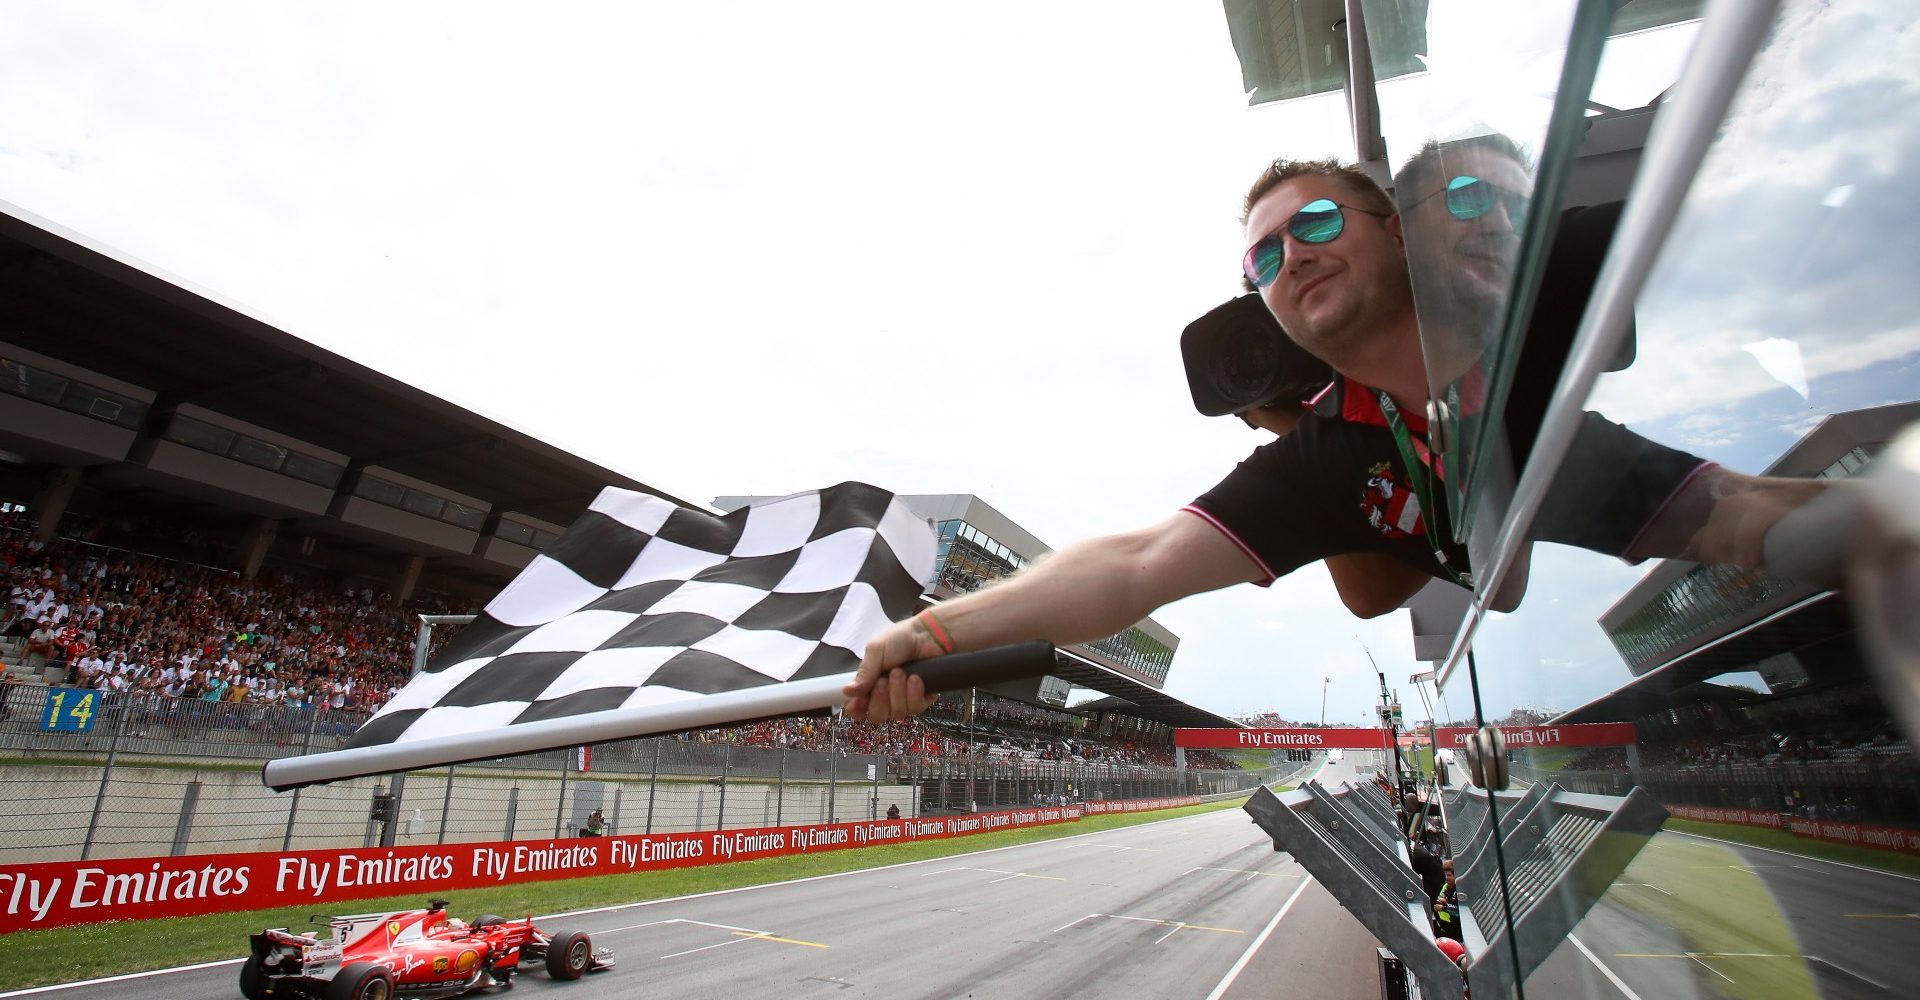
(54, 894)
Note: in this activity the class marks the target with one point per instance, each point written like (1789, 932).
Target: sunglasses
(1318, 221)
(1469, 197)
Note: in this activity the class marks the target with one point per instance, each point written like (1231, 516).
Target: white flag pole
(943, 673)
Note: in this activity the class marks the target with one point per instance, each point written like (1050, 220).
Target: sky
(755, 248)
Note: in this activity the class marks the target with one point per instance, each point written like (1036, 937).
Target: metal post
(726, 771)
(367, 836)
(780, 790)
(613, 826)
(653, 783)
(513, 810)
(293, 808)
(392, 825)
(184, 827)
(446, 807)
(106, 773)
(560, 811)
(913, 795)
(833, 764)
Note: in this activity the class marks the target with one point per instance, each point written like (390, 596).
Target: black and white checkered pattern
(643, 602)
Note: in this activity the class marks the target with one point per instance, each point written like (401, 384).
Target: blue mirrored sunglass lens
(1469, 197)
(1262, 263)
(1317, 222)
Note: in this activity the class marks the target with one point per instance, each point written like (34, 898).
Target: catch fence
(151, 775)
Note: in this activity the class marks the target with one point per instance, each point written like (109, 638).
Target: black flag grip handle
(978, 668)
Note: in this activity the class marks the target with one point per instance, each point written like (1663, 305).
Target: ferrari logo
(467, 959)
(393, 928)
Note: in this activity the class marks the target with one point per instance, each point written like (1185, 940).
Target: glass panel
(1478, 181)
(318, 471)
(1775, 343)
(103, 405)
(1297, 49)
(379, 490)
(424, 504)
(254, 451)
(199, 434)
(464, 516)
(514, 531)
(37, 385)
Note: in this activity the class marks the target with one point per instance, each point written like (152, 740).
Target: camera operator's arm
(1084, 592)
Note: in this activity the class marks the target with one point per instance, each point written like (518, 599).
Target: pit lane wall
(55, 894)
(1886, 838)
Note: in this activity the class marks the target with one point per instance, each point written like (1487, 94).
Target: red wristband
(938, 631)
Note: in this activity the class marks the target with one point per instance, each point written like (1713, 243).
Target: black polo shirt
(1336, 484)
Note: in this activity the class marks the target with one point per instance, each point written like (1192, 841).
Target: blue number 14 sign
(70, 710)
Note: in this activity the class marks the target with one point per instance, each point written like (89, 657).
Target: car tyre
(253, 979)
(569, 955)
(487, 920)
(361, 981)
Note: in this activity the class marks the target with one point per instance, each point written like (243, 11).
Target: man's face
(1336, 299)
(1462, 267)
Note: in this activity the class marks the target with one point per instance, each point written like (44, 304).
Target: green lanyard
(1422, 488)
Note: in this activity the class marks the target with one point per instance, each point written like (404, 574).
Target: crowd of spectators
(121, 621)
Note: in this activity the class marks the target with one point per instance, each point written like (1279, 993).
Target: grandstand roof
(1143, 701)
(1822, 616)
(78, 301)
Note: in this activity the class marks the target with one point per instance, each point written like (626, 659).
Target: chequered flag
(643, 602)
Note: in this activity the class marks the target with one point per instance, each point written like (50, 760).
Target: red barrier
(53, 894)
(1094, 807)
(1888, 838)
(1578, 734)
(1281, 739)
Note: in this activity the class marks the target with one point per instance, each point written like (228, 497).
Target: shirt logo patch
(1389, 504)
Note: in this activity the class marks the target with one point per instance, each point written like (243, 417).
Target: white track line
(645, 902)
(1247, 956)
(1591, 957)
(1790, 854)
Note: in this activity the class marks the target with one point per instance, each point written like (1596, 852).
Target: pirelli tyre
(569, 955)
(253, 980)
(487, 920)
(361, 981)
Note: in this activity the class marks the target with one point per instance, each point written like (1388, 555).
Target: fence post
(446, 806)
(560, 811)
(833, 764)
(613, 828)
(653, 784)
(726, 770)
(513, 809)
(181, 829)
(391, 827)
(293, 808)
(780, 790)
(106, 773)
(913, 793)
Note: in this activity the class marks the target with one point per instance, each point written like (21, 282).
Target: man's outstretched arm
(1084, 592)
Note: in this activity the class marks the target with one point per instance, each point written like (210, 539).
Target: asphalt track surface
(1182, 908)
(1202, 907)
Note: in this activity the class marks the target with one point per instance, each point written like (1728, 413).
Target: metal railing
(1561, 851)
(155, 775)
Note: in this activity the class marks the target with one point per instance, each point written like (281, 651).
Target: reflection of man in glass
(1462, 206)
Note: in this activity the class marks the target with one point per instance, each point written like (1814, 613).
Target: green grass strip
(1781, 840)
(65, 954)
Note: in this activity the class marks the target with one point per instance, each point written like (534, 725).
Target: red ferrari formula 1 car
(409, 954)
